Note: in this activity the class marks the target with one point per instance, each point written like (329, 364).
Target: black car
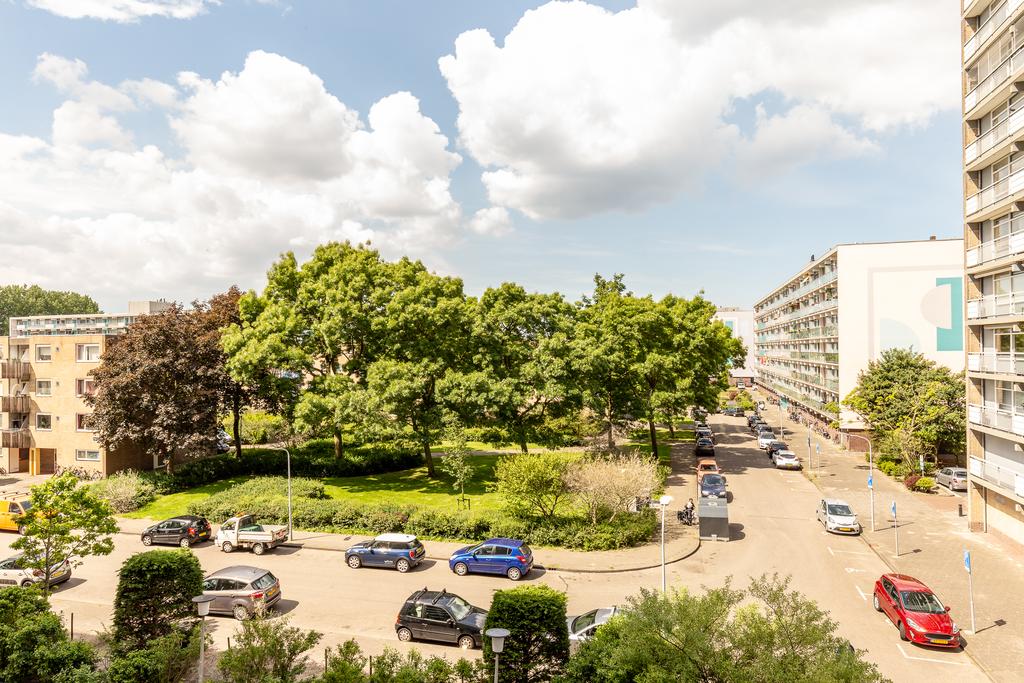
(776, 446)
(441, 616)
(185, 531)
(705, 447)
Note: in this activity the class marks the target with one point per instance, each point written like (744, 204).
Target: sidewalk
(932, 539)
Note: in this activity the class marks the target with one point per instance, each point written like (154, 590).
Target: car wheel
(354, 562)
(227, 547)
(258, 548)
(874, 601)
(185, 543)
(402, 566)
(461, 569)
(467, 642)
(22, 529)
(404, 635)
(514, 573)
(26, 583)
(147, 540)
(241, 612)
(903, 632)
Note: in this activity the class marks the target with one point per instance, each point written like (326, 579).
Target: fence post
(72, 626)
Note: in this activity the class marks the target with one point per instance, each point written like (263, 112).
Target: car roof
(906, 582)
(396, 538)
(707, 461)
(835, 501)
(187, 518)
(505, 541)
(783, 452)
(433, 597)
(239, 571)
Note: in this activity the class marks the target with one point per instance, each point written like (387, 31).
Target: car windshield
(917, 601)
(842, 510)
(704, 442)
(459, 608)
(26, 506)
(712, 479)
(709, 468)
(960, 473)
(264, 582)
(584, 621)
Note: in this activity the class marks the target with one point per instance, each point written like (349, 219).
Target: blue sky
(723, 171)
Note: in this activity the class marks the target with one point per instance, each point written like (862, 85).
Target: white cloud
(96, 211)
(493, 220)
(123, 10)
(582, 110)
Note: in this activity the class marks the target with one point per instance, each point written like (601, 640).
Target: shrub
(924, 484)
(267, 650)
(888, 467)
(533, 483)
(167, 659)
(154, 596)
(910, 481)
(125, 491)
(258, 426)
(537, 647)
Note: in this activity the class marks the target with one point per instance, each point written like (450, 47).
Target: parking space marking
(928, 659)
(847, 552)
(863, 595)
(852, 570)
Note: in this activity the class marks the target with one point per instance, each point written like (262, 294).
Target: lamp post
(497, 636)
(663, 501)
(288, 456)
(203, 606)
(871, 474)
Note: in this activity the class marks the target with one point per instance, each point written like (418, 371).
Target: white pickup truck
(244, 532)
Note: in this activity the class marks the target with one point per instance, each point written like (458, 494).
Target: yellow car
(10, 510)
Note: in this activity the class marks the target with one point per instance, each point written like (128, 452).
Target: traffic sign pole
(871, 490)
(970, 586)
(896, 528)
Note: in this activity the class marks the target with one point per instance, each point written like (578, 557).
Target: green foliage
(533, 483)
(346, 664)
(267, 651)
(34, 645)
(125, 491)
(258, 427)
(744, 401)
(154, 596)
(167, 659)
(19, 301)
(66, 522)
(924, 484)
(538, 645)
(456, 463)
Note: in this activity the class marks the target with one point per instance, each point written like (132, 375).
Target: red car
(916, 611)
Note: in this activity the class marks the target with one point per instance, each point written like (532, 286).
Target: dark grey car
(240, 591)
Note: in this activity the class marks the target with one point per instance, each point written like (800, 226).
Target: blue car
(397, 551)
(505, 556)
(713, 486)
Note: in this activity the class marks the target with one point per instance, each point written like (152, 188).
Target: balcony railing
(990, 416)
(994, 193)
(997, 248)
(996, 305)
(15, 369)
(794, 294)
(994, 137)
(15, 438)
(986, 30)
(1003, 476)
(14, 404)
(988, 84)
(1005, 363)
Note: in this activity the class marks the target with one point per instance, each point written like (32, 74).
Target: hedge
(264, 498)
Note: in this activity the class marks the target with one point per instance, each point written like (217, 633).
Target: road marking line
(852, 570)
(830, 551)
(863, 595)
(848, 552)
(928, 659)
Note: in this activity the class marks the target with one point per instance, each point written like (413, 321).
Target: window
(44, 421)
(87, 456)
(44, 387)
(83, 423)
(436, 613)
(13, 508)
(44, 353)
(84, 387)
(87, 353)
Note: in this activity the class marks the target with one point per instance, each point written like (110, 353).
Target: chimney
(932, 238)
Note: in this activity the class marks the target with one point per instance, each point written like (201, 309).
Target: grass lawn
(177, 503)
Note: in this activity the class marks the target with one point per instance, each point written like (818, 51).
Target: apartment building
(993, 130)
(741, 322)
(44, 379)
(819, 329)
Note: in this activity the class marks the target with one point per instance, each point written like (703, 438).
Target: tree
(154, 596)
(65, 523)
(456, 460)
(538, 645)
(267, 650)
(34, 644)
(533, 483)
(23, 300)
(608, 484)
(167, 659)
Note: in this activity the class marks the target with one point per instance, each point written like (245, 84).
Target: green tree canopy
(538, 645)
(18, 301)
(34, 644)
(154, 596)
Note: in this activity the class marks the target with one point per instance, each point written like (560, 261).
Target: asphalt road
(773, 530)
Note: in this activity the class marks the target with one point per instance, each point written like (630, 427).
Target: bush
(538, 646)
(167, 659)
(910, 481)
(125, 491)
(924, 484)
(258, 427)
(888, 467)
(154, 596)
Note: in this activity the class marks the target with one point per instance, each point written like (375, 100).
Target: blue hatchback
(505, 556)
(398, 551)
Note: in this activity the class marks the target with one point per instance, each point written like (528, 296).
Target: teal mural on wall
(952, 338)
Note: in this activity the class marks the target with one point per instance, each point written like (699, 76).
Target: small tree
(533, 483)
(538, 645)
(456, 460)
(267, 650)
(609, 484)
(65, 523)
(34, 645)
(154, 596)
(167, 659)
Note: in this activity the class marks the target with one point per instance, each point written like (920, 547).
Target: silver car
(953, 478)
(240, 591)
(13, 572)
(838, 517)
(583, 627)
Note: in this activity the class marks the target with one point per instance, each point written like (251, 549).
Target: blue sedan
(505, 556)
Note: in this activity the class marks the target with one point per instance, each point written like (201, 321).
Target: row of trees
(26, 300)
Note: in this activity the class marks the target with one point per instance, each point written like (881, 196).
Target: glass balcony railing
(996, 418)
(1005, 363)
(994, 193)
(994, 249)
(793, 295)
(803, 312)
(986, 30)
(994, 137)
(1003, 476)
(996, 305)
(995, 79)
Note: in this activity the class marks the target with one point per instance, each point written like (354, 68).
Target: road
(773, 530)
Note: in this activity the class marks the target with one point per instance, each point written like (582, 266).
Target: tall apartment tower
(993, 99)
(741, 322)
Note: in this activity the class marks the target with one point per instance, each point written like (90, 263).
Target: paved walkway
(932, 538)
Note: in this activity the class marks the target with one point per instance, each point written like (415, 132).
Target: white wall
(742, 324)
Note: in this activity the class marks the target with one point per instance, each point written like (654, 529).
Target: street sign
(817, 448)
(871, 482)
(967, 561)
(784, 403)
(893, 508)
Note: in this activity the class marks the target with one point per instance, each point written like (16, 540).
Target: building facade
(819, 329)
(44, 380)
(993, 63)
(741, 322)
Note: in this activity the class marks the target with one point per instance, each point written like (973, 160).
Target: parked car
(953, 478)
(584, 626)
(759, 426)
(838, 517)
(752, 418)
(713, 486)
(741, 385)
(774, 447)
(505, 556)
(400, 551)
(244, 532)
(11, 509)
(707, 466)
(786, 460)
(705, 433)
(441, 616)
(705, 446)
(184, 531)
(13, 572)
(764, 438)
(916, 611)
(224, 441)
(240, 591)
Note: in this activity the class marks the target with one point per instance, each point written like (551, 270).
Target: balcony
(993, 194)
(1006, 245)
(991, 83)
(1001, 363)
(988, 29)
(16, 370)
(14, 404)
(793, 295)
(995, 305)
(990, 416)
(994, 137)
(1009, 479)
(15, 438)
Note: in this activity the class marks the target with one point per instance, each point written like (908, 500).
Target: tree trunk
(654, 437)
(428, 458)
(236, 421)
(611, 430)
(671, 430)
(339, 445)
(522, 439)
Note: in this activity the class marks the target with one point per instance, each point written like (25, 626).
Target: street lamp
(497, 636)
(871, 475)
(663, 501)
(289, 460)
(203, 606)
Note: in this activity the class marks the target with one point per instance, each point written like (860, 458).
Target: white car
(786, 460)
(583, 627)
(838, 517)
(14, 573)
(765, 438)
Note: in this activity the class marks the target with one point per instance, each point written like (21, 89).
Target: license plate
(272, 592)
(939, 641)
(845, 528)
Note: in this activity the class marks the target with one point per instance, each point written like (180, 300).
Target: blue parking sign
(893, 508)
(967, 561)
(871, 482)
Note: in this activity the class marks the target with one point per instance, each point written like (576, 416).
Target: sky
(172, 148)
